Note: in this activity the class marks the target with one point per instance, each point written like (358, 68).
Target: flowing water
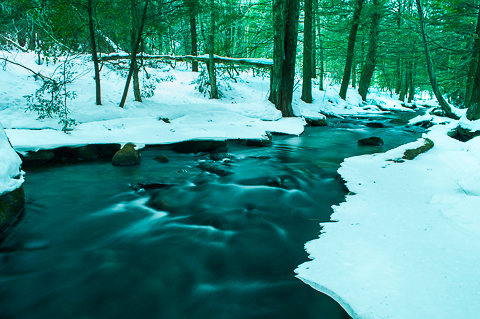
(90, 246)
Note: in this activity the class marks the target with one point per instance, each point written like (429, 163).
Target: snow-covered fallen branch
(259, 63)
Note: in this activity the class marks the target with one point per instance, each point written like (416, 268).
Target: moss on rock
(412, 153)
(128, 155)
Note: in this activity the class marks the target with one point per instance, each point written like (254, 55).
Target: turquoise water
(89, 246)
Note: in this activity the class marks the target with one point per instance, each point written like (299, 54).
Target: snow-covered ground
(405, 245)
(243, 112)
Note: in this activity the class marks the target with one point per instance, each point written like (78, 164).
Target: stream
(90, 246)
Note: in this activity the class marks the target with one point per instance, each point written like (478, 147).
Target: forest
(239, 159)
(398, 46)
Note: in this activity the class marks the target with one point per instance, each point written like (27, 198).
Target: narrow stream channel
(89, 246)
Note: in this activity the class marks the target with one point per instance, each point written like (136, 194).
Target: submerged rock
(371, 141)
(162, 159)
(214, 168)
(375, 125)
(221, 156)
(11, 205)
(128, 155)
(150, 185)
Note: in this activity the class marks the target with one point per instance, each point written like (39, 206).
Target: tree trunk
(193, 33)
(473, 65)
(98, 91)
(285, 22)
(314, 39)
(307, 53)
(211, 63)
(354, 73)
(350, 49)
(133, 61)
(431, 72)
(279, 22)
(473, 112)
(371, 59)
(322, 60)
(133, 37)
(403, 86)
(411, 86)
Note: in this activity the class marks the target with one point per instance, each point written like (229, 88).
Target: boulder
(128, 155)
(197, 146)
(371, 141)
(11, 205)
(162, 159)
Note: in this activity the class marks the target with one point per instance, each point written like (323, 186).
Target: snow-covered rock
(11, 176)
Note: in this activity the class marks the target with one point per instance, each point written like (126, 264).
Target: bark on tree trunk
(350, 49)
(135, 27)
(314, 39)
(211, 63)
(193, 33)
(98, 91)
(279, 22)
(473, 112)
(322, 61)
(473, 66)
(133, 61)
(285, 19)
(403, 86)
(307, 53)
(371, 59)
(431, 72)
(411, 86)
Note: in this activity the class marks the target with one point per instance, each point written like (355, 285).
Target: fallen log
(259, 63)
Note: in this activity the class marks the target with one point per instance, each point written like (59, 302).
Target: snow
(243, 113)
(404, 244)
(11, 177)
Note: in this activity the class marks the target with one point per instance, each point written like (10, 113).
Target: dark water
(88, 246)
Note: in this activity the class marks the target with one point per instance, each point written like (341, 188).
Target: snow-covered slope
(406, 244)
(10, 174)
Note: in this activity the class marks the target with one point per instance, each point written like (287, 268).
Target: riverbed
(211, 245)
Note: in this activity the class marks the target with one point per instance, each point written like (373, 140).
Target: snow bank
(406, 242)
(10, 174)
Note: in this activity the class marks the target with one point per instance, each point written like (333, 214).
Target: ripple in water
(208, 247)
